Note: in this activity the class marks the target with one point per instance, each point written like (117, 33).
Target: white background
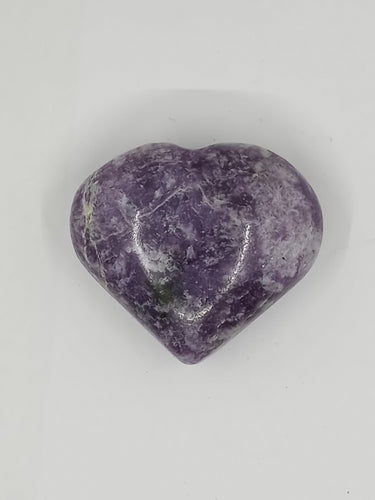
(91, 406)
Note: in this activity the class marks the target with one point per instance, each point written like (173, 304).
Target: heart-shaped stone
(196, 243)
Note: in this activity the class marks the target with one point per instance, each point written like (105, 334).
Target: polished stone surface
(196, 243)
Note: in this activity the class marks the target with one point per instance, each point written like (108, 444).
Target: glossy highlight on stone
(196, 243)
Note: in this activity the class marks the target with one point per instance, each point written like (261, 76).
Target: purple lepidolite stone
(196, 243)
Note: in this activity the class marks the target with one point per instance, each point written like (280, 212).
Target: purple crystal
(196, 243)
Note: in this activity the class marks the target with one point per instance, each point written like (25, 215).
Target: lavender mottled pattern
(196, 243)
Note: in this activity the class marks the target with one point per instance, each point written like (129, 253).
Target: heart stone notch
(196, 243)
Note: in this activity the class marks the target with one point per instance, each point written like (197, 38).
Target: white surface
(91, 406)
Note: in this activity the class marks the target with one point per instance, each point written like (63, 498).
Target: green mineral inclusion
(164, 293)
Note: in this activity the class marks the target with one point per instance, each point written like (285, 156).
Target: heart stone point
(196, 243)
